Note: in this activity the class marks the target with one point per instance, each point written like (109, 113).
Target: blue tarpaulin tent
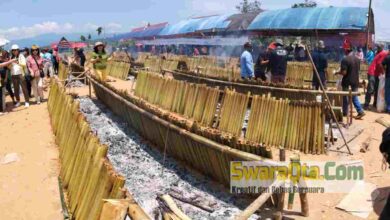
(197, 24)
(331, 18)
(149, 31)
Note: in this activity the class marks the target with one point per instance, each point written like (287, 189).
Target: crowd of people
(23, 71)
(271, 65)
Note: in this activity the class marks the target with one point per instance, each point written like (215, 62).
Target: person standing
(4, 62)
(321, 64)
(56, 60)
(6, 76)
(81, 54)
(99, 61)
(47, 63)
(360, 54)
(196, 52)
(35, 66)
(278, 63)
(27, 77)
(350, 68)
(374, 71)
(262, 64)
(370, 56)
(386, 66)
(246, 62)
(18, 71)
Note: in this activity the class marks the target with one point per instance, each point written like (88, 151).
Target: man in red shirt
(374, 71)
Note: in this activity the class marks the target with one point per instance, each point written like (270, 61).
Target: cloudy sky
(27, 18)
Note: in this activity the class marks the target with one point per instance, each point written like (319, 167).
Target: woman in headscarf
(35, 66)
(99, 60)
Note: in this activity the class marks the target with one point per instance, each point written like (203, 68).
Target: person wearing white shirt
(18, 69)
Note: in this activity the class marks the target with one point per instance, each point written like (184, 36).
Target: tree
(99, 30)
(82, 38)
(89, 37)
(247, 7)
(306, 4)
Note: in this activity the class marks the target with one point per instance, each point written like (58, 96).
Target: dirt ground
(29, 187)
(322, 206)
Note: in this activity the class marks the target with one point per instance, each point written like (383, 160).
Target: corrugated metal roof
(143, 32)
(311, 18)
(197, 24)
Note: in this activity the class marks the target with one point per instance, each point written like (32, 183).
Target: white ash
(74, 83)
(147, 175)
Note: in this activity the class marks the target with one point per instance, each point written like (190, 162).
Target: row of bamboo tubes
(209, 157)
(142, 56)
(62, 71)
(87, 175)
(298, 73)
(293, 125)
(195, 101)
(118, 70)
(234, 108)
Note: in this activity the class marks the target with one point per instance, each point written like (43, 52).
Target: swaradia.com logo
(247, 177)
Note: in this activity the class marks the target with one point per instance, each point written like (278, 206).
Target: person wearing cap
(35, 66)
(278, 63)
(99, 60)
(384, 148)
(321, 64)
(18, 71)
(374, 71)
(246, 61)
(349, 69)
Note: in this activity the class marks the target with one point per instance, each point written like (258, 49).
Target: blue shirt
(246, 62)
(48, 57)
(370, 57)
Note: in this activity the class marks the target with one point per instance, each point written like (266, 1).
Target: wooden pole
(368, 25)
(281, 196)
(89, 88)
(304, 204)
(252, 208)
(327, 100)
(350, 107)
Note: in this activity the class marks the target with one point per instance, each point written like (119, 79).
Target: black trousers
(2, 98)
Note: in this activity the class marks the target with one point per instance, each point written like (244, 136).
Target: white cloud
(14, 33)
(34, 30)
(208, 7)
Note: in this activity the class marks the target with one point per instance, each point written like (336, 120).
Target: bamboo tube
(171, 205)
(114, 209)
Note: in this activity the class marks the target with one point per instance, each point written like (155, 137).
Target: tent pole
(368, 24)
